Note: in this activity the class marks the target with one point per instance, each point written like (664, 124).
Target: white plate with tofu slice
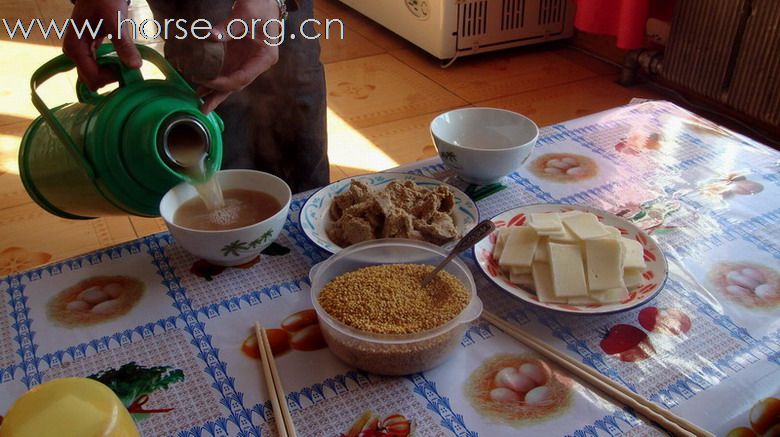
(571, 258)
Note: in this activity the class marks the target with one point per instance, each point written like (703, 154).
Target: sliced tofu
(581, 300)
(585, 226)
(571, 258)
(521, 279)
(546, 223)
(564, 236)
(633, 254)
(542, 253)
(543, 284)
(572, 213)
(517, 271)
(558, 232)
(500, 242)
(568, 272)
(604, 261)
(613, 295)
(632, 277)
(519, 248)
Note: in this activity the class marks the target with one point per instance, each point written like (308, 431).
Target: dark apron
(276, 124)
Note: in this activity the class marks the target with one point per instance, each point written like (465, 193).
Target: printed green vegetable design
(133, 384)
(237, 247)
(651, 215)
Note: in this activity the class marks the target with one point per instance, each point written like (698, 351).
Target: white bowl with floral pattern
(229, 247)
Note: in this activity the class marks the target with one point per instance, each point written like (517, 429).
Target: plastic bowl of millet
(375, 316)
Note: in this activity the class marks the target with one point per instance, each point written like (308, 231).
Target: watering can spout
(184, 141)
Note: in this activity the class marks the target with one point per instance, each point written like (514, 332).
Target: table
(707, 195)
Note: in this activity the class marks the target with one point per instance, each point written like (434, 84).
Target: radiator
(728, 51)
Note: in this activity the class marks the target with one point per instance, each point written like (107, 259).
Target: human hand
(82, 49)
(246, 58)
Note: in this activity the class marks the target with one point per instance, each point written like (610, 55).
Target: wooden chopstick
(284, 423)
(671, 422)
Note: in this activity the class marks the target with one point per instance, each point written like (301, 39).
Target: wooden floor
(382, 94)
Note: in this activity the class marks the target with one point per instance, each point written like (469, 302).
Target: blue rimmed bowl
(315, 214)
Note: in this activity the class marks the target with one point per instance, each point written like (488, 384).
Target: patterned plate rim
(458, 194)
(575, 309)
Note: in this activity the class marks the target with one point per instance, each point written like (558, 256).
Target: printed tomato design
(277, 338)
(670, 321)
(636, 144)
(299, 331)
(628, 342)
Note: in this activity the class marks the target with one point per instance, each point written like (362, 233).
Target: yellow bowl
(68, 407)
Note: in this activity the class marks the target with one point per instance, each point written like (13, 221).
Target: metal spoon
(479, 232)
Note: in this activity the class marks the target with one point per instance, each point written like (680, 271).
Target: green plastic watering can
(117, 153)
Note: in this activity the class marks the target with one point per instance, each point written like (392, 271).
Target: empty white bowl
(482, 145)
(233, 246)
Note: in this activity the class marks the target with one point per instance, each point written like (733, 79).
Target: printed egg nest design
(518, 389)
(564, 167)
(748, 284)
(95, 300)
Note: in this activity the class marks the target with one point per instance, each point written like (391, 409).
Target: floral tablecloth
(707, 347)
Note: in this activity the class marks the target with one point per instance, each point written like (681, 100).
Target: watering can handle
(62, 64)
(127, 76)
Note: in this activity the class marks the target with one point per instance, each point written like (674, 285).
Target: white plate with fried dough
(573, 259)
(413, 206)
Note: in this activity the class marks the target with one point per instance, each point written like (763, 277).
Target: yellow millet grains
(388, 299)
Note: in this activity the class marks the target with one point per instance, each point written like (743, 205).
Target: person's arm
(82, 49)
(247, 58)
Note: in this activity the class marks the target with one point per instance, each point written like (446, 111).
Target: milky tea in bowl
(240, 208)
(254, 210)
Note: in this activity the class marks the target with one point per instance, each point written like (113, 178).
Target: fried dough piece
(439, 230)
(429, 205)
(403, 195)
(398, 224)
(370, 210)
(446, 197)
(358, 192)
(352, 230)
(400, 210)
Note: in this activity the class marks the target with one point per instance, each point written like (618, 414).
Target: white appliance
(449, 29)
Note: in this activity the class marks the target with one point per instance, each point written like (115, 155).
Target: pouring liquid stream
(207, 187)
(214, 208)
(218, 209)
(188, 149)
(213, 211)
